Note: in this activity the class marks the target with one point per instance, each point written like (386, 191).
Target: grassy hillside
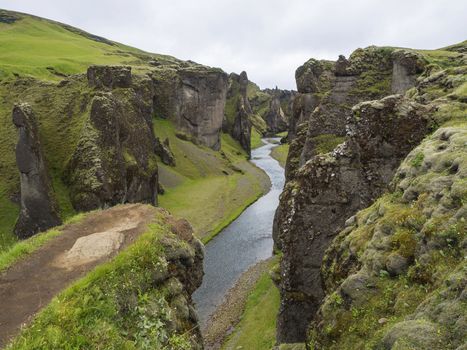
(257, 328)
(45, 49)
(208, 188)
(36, 54)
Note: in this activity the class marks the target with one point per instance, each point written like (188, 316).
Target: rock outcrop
(330, 188)
(238, 111)
(194, 99)
(109, 76)
(407, 66)
(38, 210)
(396, 271)
(115, 161)
(344, 153)
(279, 111)
(275, 118)
(163, 150)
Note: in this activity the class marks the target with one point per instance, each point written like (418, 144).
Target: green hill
(39, 63)
(45, 49)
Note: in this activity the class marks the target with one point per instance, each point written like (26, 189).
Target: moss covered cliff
(392, 276)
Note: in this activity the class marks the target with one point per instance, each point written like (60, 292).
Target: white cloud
(267, 38)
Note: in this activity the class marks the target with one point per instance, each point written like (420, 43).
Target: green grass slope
(122, 304)
(257, 328)
(210, 189)
(45, 49)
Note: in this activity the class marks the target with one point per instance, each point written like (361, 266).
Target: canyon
(117, 168)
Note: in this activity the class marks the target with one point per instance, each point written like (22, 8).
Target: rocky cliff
(238, 113)
(193, 97)
(114, 160)
(327, 185)
(274, 106)
(38, 208)
(252, 110)
(97, 132)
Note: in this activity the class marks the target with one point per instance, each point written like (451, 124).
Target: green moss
(255, 139)
(280, 153)
(326, 142)
(404, 242)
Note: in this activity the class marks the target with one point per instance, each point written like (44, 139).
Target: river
(246, 241)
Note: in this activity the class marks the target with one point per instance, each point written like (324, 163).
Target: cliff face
(268, 111)
(193, 97)
(38, 208)
(115, 161)
(326, 184)
(238, 111)
(98, 135)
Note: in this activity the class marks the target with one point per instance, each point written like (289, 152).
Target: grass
(280, 153)
(327, 142)
(21, 249)
(255, 138)
(209, 189)
(257, 328)
(59, 124)
(116, 306)
(32, 46)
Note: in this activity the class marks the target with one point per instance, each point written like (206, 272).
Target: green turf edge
(24, 248)
(230, 218)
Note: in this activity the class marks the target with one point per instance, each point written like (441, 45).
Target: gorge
(149, 202)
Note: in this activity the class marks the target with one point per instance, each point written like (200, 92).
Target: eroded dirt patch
(30, 284)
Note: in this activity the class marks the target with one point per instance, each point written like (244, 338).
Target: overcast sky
(267, 38)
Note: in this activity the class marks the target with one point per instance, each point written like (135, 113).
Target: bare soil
(29, 285)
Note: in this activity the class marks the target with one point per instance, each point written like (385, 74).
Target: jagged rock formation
(327, 184)
(407, 66)
(109, 76)
(38, 209)
(279, 111)
(247, 107)
(163, 150)
(399, 264)
(275, 118)
(238, 111)
(114, 162)
(194, 99)
(332, 188)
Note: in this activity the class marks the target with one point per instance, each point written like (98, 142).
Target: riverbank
(227, 316)
(280, 153)
(208, 188)
(238, 258)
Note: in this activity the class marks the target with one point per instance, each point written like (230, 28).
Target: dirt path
(228, 314)
(30, 284)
